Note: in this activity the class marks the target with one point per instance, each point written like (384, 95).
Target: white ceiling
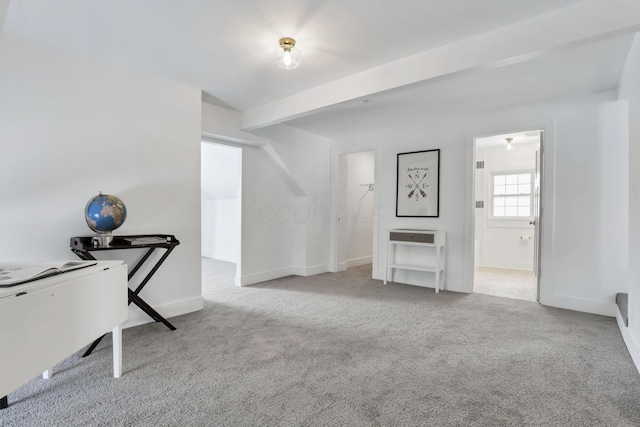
(582, 70)
(517, 139)
(224, 47)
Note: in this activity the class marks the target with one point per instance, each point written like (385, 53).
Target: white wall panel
(630, 90)
(71, 127)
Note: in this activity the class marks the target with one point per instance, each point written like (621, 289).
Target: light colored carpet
(344, 350)
(217, 275)
(502, 282)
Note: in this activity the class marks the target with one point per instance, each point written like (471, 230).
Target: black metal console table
(83, 246)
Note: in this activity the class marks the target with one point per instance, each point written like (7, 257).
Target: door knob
(532, 222)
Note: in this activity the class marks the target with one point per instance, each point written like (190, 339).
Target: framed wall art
(418, 185)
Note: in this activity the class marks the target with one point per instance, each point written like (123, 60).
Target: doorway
(220, 192)
(356, 211)
(507, 215)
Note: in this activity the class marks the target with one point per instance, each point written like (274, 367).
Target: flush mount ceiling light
(509, 146)
(287, 55)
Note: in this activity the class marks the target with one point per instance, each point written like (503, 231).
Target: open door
(537, 217)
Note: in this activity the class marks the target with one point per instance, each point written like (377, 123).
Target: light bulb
(509, 146)
(286, 59)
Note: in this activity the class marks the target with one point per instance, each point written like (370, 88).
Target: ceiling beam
(220, 124)
(224, 124)
(565, 28)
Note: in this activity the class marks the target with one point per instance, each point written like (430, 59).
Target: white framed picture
(418, 185)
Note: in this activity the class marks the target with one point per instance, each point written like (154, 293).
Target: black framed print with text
(418, 185)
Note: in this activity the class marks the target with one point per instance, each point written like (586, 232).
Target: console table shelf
(424, 238)
(415, 267)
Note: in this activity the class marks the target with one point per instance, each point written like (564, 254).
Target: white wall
(358, 214)
(500, 243)
(613, 232)
(71, 127)
(221, 182)
(220, 229)
(285, 182)
(4, 7)
(387, 143)
(220, 169)
(269, 230)
(630, 90)
(582, 278)
(571, 256)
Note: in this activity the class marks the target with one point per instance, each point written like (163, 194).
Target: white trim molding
(629, 341)
(359, 261)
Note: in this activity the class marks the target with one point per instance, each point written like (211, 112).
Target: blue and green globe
(104, 213)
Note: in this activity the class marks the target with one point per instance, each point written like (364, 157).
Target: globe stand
(102, 240)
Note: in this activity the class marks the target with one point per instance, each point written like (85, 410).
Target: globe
(104, 213)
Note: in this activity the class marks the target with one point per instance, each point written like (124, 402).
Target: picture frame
(418, 184)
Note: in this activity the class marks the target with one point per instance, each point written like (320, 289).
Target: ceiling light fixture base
(509, 146)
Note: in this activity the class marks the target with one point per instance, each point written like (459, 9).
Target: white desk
(45, 321)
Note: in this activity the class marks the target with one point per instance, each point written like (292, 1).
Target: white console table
(426, 238)
(47, 320)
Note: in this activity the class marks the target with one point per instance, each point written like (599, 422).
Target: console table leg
(4, 402)
(438, 269)
(117, 351)
(149, 310)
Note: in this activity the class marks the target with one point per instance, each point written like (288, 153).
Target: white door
(537, 217)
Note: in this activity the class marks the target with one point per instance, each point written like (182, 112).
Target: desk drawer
(412, 237)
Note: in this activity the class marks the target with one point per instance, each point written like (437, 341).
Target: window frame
(492, 194)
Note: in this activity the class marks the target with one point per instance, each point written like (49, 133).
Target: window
(512, 195)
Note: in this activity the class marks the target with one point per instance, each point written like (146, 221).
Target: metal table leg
(133, 295)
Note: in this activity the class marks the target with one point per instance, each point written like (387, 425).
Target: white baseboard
(253, 278)
(207, 253)
(585, 305)
(509, 265)
(310, 271)
(139, 317)
(222, 256)
(455, 286)
(359, 261)
(629, 341)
